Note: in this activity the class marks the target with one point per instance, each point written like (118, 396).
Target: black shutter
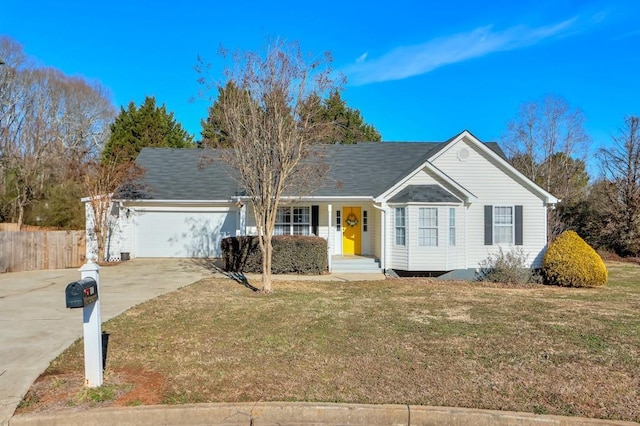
(314, 219)
(488, 225)
(518, 225)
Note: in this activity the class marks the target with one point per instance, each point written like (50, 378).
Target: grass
(534, 348)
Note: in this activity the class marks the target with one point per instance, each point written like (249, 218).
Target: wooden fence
(33, 250)
(14, 227)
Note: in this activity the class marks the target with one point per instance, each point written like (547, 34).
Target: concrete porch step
(355, 264)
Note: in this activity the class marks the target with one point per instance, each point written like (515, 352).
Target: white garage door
(182, 234)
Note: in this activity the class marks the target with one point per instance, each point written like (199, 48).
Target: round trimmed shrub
(571, 262)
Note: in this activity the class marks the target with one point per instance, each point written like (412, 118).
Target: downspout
(329, 239)
(466, 236)
(383, 242)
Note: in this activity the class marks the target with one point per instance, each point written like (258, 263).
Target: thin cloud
(409, 61)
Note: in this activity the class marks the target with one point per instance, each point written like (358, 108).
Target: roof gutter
(174, 202)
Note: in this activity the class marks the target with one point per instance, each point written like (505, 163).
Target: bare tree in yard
(548, 144)
(621, 172)
(272, 130)
(101, 180)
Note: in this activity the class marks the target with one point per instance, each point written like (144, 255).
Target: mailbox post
(85, 294)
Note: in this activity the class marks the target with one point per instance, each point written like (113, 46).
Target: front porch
(350, 264)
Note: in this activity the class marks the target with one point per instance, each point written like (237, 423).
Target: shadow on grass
(105, 349)
(216, 266)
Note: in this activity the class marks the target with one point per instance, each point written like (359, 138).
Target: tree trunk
(20, 216)
(266, 265)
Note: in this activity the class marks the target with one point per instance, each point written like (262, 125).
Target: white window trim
(421, 244)
(291, 224)
(512, 226)
(396, 227)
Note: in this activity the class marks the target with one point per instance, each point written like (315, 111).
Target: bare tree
(620, 165)
(101, 180)
(547, 142)
(272, 130)
(50, 124)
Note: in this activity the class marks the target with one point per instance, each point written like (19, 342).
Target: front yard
(524, 348)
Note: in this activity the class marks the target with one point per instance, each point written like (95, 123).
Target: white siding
(126, 223)
(375, 232)
(424, 258)
(493, 186)
(399, 254)
(443, 257)
(113, 232)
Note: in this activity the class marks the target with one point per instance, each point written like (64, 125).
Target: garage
(182, 233)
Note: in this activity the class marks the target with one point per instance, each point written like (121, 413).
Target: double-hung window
(293, 221)
(503, 225)
(428, 227)
(400, 226)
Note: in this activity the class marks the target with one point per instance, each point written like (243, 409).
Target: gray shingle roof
(182, 174)
(424, 194)
(362, 169)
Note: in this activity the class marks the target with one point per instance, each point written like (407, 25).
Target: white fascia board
(329, 198)
(175, 202)
(549, 199)
(99, 197)
(469, 197)
(430, 203)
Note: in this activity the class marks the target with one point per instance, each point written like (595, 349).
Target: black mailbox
(81, 293)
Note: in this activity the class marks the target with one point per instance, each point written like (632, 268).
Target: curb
(283, 413)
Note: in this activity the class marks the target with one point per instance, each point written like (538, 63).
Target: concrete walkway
(299, 413)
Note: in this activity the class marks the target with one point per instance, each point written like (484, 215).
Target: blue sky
(417, 70)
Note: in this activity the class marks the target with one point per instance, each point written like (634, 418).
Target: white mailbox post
(85, 294)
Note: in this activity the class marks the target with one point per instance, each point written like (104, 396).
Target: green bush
(291, 255)
(571, 262)
(508, 267)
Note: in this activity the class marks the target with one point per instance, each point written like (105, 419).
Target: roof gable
(424, 194)
(493, 151)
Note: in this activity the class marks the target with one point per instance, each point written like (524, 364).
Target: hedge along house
(438, 208)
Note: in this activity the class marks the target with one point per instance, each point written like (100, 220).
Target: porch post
(383, 243)
(329, 237)
(243, 220)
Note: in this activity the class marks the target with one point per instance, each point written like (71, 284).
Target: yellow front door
(351, 230)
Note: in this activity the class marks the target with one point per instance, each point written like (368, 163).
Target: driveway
(35, 326)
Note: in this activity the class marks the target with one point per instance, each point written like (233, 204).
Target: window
(293, 221)
(283, 221)
(338, 221)
(452, 226)
(400, 226)
(502, 225)
(428, 227)
(301, 221)
(365, 221)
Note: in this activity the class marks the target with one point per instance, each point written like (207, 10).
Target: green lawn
(525, 348)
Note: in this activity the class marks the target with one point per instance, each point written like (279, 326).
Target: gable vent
(463, 154)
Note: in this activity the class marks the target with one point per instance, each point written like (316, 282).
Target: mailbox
(81, 293)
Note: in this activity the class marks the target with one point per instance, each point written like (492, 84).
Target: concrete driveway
(35, 325)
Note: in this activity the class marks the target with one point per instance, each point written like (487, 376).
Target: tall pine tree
(347, 124)
(147, 126)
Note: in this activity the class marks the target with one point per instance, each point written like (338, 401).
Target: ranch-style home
(402, 207)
